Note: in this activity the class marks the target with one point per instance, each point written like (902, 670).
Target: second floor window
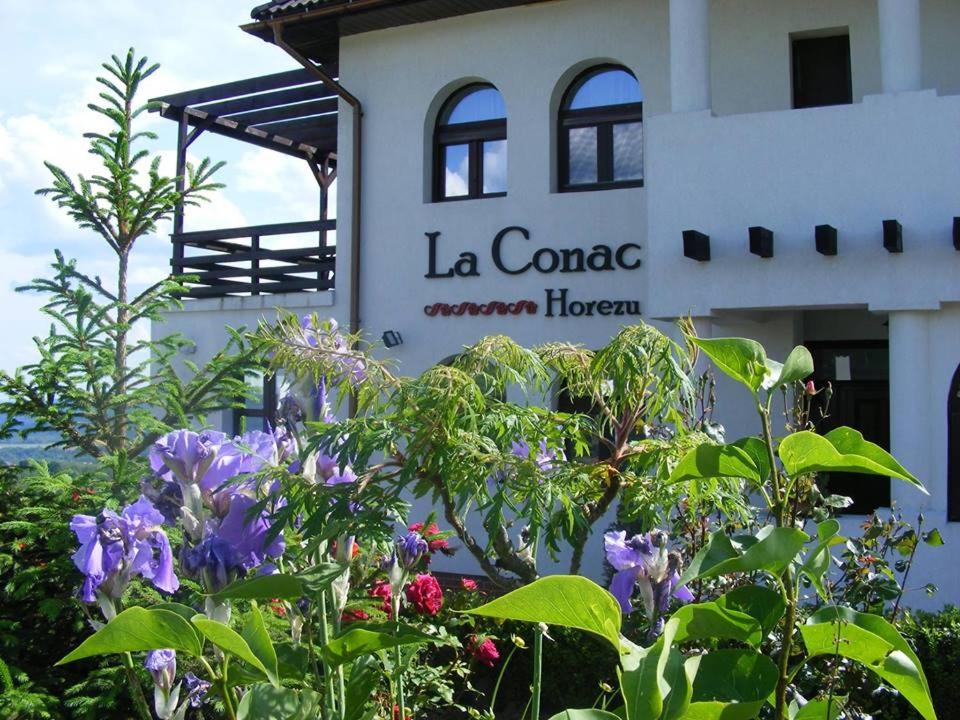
(601, 131)
(470, 145)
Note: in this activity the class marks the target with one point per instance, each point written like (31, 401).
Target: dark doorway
(953, 450)
(821, 71)
(859, 373)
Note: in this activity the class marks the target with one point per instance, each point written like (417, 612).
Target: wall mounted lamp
(391, 338)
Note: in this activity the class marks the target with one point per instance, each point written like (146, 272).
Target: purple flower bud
(410, 549)
(162, 665)
(643, 563)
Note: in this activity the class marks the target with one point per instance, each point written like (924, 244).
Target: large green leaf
(283, 587)
(717, 549)
(360, 640)
(874, 643)
(136, 629)
(229, 641)
(265, 702)
(840, 450)
(743, 360)
(361, 688)
(567, 600)
(714, 461)
(645, 677)
(774, 550)
(730, 684)
(797, 366)
(819, 710)
(255, 634)
(589, 714)
(762, 604)
(757, 450)
(817, 562)
(709, 620)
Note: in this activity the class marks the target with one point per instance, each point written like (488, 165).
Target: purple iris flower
(115, 548)
(196, 689)
(326, 338)
(410, 549)
(162, 665)
(643, 562)
(186, 454)
(212, 562)
(247, 536)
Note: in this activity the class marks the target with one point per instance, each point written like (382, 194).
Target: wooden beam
(287, 112)
(290, 228)
(238, 87)
(317, 91)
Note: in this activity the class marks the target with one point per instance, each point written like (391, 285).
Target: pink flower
(381, 589)
(810, 388)
(468, 584)
(353, 615)
(484, 651)
(425, 595)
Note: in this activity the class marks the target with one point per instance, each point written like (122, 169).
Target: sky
(51, 55)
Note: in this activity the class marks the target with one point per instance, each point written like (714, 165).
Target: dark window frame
(953, 449)
(473, 135)
(796, 77)
(268, 412)
(603, 119)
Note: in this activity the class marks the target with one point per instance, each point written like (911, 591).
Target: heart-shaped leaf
(229, 641)
(360, 640)
(714, 461)
(730, 684)
(709, 620)
(743, 360)
(567, 600)
(775, 548)
(256, 636)
(138, 628)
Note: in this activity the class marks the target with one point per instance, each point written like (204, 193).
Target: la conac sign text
(545, 260)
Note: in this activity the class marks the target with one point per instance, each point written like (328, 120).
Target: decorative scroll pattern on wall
(494, 307)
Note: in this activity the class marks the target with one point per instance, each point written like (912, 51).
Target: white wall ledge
(289, 301)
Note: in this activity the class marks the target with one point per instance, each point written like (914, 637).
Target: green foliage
(564, 600)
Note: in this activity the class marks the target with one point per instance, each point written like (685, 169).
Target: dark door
(953, 450)
(858, 372)
(821, 71)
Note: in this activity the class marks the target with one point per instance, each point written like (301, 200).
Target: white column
(689, 55)
(911, 413)
(900, 55)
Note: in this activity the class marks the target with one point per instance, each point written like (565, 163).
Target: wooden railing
(241, 261)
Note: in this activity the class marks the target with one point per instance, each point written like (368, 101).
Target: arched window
(470, 145)
(601, 131)
(953, 450)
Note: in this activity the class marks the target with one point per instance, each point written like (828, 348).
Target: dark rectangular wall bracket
(956, 233)
(893, 236)
(826, 237)
(761, 241)
(696, 245)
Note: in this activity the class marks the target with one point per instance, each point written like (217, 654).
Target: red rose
(381, 589)
(425, 595)
(484, 652)
(349, 616)
(468, 584)
(396, 710)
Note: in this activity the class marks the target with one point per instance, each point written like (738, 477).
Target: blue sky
(51, 54)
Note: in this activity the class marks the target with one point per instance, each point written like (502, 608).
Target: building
(787, 171)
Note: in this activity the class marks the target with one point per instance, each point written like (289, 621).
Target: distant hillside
(15, 450)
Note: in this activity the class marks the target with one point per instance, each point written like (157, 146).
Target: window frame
(472, 134)
(602, 118)
(266, 413)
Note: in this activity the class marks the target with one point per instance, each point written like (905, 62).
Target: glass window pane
(484, 103)
(456, 165)
(628, 151)
(608, 87)
(495, 166)
(583, 155)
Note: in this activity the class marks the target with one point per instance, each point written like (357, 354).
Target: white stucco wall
(751, 161)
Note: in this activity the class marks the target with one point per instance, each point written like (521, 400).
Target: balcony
(255, 260)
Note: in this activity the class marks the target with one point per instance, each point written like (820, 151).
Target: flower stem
(328, 700)
(136, 689)
(398, 658)
(537, 673)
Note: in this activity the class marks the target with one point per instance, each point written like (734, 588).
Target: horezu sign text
(545, 260)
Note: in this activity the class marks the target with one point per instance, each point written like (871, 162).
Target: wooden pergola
(291, 113)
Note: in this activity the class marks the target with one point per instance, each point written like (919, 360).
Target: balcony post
(689, 55)
(900, 54)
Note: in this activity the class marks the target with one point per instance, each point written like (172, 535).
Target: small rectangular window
(456, 166)
(821, 71)
(494, 167)
(583, 155)
(628, 151)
